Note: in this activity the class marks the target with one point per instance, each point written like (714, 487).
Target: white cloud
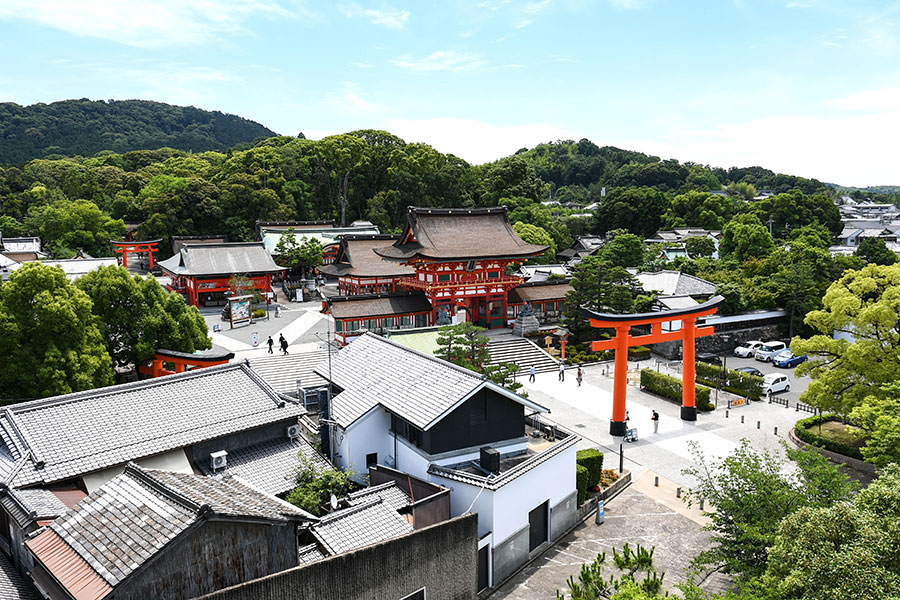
(362, 65)
(475, 141)
(349, 100)
(145, 22)
(391, 18)
(885, 99)
(440, 61)
(849, 149)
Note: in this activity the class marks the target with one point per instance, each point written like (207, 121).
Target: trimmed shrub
(670, 388)
(736, 382)
(581, 483)
(638, 353)
(806, 431)
(258, 313)
(592, 460)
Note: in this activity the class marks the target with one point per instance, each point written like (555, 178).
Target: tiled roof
(272, 466)
(498, 481)
(420, 388)
(282, 372)
(539, 292)
(675, 283)
(132, 517)
(309, 554)
(30, 505)
(378, 305)
(221, 259)
(357, 258)
(458, 233)
(68, 436)
(390, 493)
(358, 526)
(12, 585)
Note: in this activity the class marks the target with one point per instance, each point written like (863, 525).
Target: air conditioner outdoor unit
(218, 460)
(293, 431)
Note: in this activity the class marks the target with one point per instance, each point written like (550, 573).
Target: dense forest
(86, 127)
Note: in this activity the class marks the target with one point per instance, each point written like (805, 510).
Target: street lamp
(725, 339)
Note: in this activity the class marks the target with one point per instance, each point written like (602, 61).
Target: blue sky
(806, 87)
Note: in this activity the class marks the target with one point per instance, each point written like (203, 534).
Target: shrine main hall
(448, 265)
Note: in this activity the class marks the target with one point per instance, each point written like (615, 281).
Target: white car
(747, 349)
(768, 350)
(776, 382)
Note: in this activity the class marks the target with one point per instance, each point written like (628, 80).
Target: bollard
(678, 493)
(621, 459)
(726, 413)
(742, 418)
(757, 424)
(601, 515)
(776, 431)
(701, 503)
(656, 481)
(797, 409)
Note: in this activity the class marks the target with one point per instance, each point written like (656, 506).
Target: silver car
(768, 350)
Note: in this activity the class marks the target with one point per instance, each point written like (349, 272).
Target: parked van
(768, 350)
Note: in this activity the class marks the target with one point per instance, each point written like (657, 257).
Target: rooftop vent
(490, 459)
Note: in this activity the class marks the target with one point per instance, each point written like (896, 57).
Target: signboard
(299, 294)
(241, 309)
(737, 402)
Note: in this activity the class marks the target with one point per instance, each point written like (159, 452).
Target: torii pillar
(688, 334)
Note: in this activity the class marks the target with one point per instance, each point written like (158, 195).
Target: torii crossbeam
(688, 333)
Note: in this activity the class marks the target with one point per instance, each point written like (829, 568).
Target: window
(417, 595)
(404, 320)
(338, 326)
(494, 275)
(421, 320)
(371, 459)
(445, 277)
(371, 324)
(352, 325)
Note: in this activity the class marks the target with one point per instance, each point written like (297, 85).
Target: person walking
(270, 343)
(562, 371)
(531, 374)
(283, 343)
(655, 419)
(579, 375)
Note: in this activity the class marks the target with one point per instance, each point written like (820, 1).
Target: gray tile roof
(358, 526)
(309, 554)
(68, 436)
(419, 387)
(132, 517)
(378, 305)
(12, 585)
(675, 283)
(272, 466)
(282, 372)
(221, 259)
(30, 505)
(390, 493)
(357, 258)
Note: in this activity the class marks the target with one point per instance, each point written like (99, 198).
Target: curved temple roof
(663, 315)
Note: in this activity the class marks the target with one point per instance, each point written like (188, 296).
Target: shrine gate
(125, 248)
(688, 333)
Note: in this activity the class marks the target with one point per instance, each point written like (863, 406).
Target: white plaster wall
(462, 496)
(552, 480)
(410, 461)
(371, 433)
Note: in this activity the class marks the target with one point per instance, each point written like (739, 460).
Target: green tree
(874, 250)
(463, 344)
(745, 237)
(879, 418)
(66, 226)
(794, 209)
(50, 339)
(700, 209)
(137, 317)
(539, 237)
(862, 308)
(623, 250)
(751, 492)
(638, 579)
(742, 190)
(10, 227)
(314, 488)
(842, 551)
(699, 247)
(639, 210)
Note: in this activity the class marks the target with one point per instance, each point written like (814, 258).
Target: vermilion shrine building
(447, 263)
(201, 272)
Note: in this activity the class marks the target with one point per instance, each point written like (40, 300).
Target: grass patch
(839, 432)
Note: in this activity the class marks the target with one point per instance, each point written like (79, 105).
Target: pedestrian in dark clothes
(655, 419)
(562, 371)
(579, 375)
(283, 343)
(271, 343)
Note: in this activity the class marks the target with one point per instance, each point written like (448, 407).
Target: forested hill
(85, 127)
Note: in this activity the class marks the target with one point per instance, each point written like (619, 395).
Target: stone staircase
(523, 352)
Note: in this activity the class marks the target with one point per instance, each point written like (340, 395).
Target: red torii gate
(125, 248)
(623, 340)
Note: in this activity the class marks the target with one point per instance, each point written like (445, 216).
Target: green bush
(258, 313)
(806, 431)
(581, 483)
(638, 353)
(670, 388)
(736, 382)
(592, 460)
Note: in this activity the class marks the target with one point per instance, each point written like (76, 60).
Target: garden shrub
(806, 431)
(670, 388)
(581, 479)
(638, 353)
(592, 460)
(608, 477)
(258, 313)
(736, 382)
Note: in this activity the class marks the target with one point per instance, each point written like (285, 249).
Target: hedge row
(581, 479)
(736, 382)
(806, 431)
(592, 460)
(581, 353)
(670, 388)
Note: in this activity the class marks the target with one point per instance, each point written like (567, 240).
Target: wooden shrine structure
(688, 333)
(124, 248)
(181, 362)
